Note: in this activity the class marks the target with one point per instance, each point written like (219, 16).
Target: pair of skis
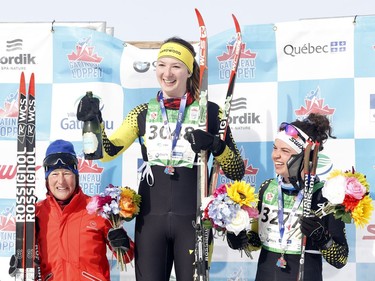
(22, 265)
(201, 264)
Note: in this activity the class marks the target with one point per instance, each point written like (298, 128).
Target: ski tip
(22, 89)
(22, 77)
(200, 18)
(238, 29)
(32, 85)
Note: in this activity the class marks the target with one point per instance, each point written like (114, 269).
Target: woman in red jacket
(72, 243)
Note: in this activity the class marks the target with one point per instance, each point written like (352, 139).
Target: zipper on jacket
(89, 276)
(48, 276)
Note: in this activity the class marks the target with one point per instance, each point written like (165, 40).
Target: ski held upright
(201, 265)
(22, 263)
(223, 125)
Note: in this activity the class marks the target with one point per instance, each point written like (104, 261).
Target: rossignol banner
(286, 71)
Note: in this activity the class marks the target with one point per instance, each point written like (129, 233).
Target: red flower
(220, 190)
(350, 203)
(104, 200)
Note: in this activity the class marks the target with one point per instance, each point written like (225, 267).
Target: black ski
(201, 266)
(228, 100)
(23, 261)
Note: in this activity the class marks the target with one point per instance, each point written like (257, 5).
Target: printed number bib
(269, 232)
(159, 142)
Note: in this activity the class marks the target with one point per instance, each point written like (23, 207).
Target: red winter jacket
(72, 243)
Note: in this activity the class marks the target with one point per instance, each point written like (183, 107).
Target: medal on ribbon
(281, 262)
(169, 170)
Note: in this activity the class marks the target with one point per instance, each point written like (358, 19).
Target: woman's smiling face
(172, 75)
(280, 155)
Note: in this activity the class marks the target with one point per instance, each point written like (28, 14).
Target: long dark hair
(192, 84)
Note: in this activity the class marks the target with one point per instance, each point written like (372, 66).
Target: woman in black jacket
(280, 207)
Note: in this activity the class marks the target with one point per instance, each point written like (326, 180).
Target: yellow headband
(178, 51)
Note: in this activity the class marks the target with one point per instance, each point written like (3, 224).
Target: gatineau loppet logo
(84, 62)
(246, 67)
(8, 116)
(7, 227)
(90, 176)
(7, 220)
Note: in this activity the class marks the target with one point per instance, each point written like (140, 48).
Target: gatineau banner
(286, 71)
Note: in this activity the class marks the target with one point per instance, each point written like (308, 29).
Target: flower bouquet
(232, 207)
(348, 197)
(117, 204)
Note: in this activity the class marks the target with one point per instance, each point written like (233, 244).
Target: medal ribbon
(280, 213)
(180, 118)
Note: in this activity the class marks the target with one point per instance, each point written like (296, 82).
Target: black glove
(239, 241)
(118, 238)
(12, 266)
(254, 239)
(201, 140)
(88, 109)
(312, 227)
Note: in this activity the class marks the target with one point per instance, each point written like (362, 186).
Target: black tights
(160, 241)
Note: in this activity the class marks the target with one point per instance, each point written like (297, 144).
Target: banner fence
(287, 70)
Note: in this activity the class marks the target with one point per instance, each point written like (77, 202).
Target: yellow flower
(242, 193)
(126, 192)
(129, 203)
(362, 213)
(335, 173)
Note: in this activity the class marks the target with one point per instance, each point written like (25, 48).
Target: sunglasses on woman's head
(290, 130)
